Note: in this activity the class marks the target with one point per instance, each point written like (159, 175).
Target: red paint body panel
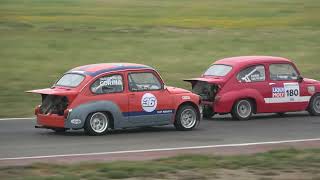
(51, 120)
(168, 98)
(231, 89)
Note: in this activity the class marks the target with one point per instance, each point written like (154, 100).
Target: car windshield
(70, 80)
(218, 70)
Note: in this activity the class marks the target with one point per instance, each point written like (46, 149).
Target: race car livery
(246, 85)
(100, 97)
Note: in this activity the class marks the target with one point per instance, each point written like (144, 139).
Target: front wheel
(186, 118)
(242, 110)
(314, 106)
(97, 124)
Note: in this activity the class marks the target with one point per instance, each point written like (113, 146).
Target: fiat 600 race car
(100, 97)
(255, 84)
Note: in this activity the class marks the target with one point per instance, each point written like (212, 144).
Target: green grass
(276, 164)
(42, 39)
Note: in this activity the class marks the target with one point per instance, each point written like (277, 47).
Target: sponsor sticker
(165, 111)
(290, 92)
(148, 102)
(278, 92)
(311, 89)
(292, 89)
(185, 97)
(111, 81)
(76, 121)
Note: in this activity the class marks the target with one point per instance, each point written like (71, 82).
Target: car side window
(107, 84)
(282, 72)
(145, 81)
(252, 74)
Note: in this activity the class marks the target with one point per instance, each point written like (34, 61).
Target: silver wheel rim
(244, 109)
(188, 118)
(316, 104)
(99, 122)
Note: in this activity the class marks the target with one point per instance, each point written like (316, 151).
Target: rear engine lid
(206, 88)
(58, 91)
(55, 100)
(213, 80)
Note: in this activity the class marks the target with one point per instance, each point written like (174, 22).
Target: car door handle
(271, 84)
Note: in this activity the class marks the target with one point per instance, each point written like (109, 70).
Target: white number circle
(148, 102)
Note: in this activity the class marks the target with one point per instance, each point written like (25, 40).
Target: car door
(286, 93)
(253, 79)
(110, 89)
(149, 101)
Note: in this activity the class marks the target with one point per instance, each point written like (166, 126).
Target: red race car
(255, 84)
(100, 97)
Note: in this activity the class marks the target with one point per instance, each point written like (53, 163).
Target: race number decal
(289, 93)
(148, 102)
(292, 90)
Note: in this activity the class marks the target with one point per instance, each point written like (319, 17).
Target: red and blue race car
(255, 84)
(100, 97)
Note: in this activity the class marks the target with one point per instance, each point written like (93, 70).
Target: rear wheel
(314, 106)
(97, 124)
(186, 118)
(242, 110)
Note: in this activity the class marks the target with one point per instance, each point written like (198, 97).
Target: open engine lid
(218, 81)
(54, 91)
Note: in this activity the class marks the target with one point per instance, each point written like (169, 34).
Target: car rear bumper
(50, 121)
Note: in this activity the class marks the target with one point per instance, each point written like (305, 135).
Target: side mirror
(300, 78)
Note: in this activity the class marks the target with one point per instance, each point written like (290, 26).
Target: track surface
(18, 138)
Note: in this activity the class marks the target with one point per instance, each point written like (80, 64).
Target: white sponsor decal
(278, 92)
(148, 102)
(111, 81)
(255, 77)
(165, 111)
(186, 97)
(311, 89)
(76, 121)
(287, 99)
(290, 92)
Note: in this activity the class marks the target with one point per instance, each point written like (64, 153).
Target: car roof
(97, 69)
(246, 60)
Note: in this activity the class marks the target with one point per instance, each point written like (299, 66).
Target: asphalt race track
(19, 138)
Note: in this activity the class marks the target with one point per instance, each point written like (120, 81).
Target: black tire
(207, 112)
(314, 105)
(242, 110)
(187, 118)
(97, 124)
